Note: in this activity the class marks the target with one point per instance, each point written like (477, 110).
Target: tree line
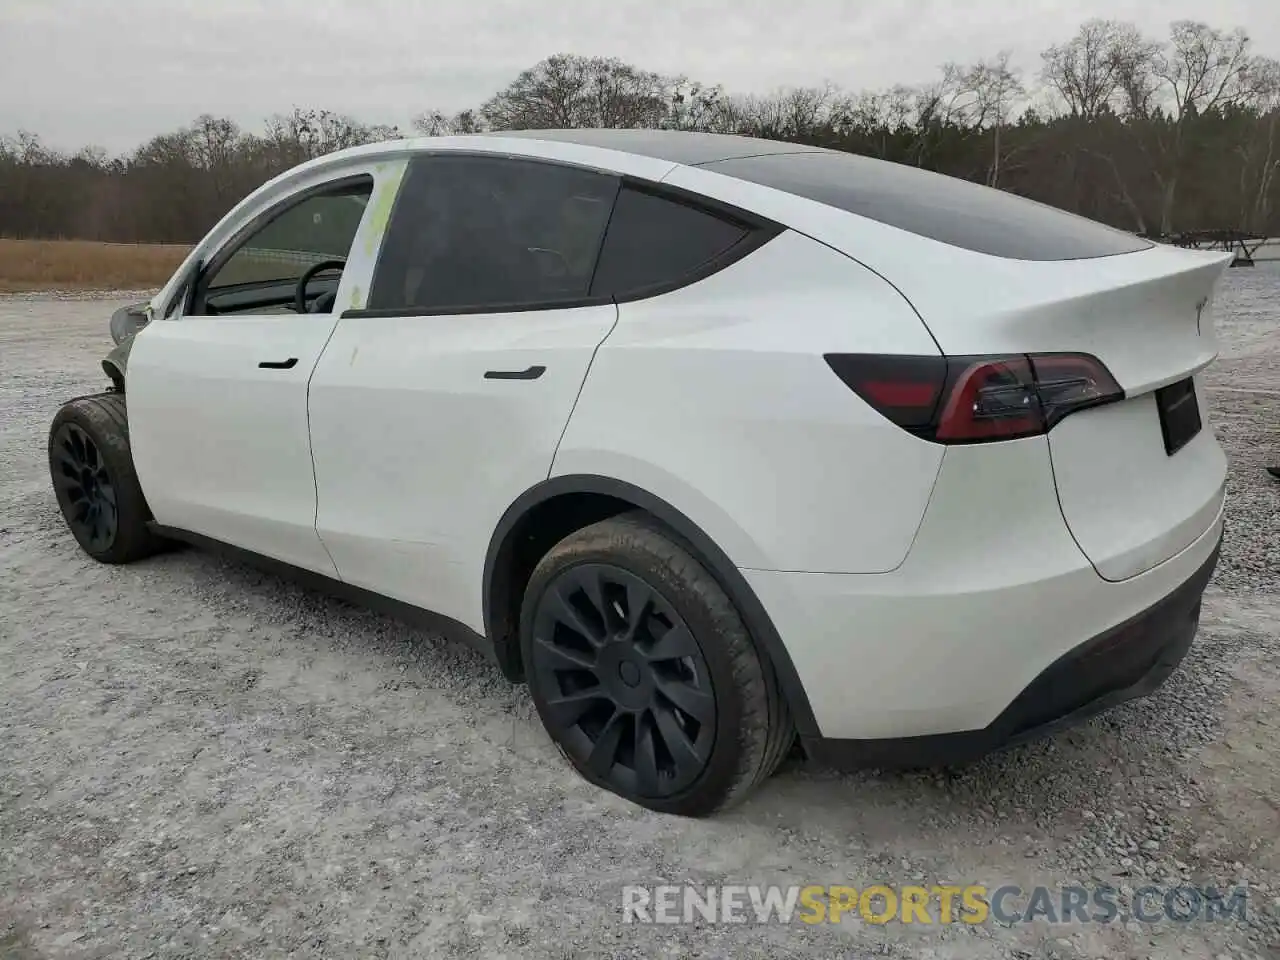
(1154, 136)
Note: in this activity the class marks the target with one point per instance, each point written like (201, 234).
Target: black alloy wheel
(644, 673)
(93, 477)
(85, 489)
(627, 689)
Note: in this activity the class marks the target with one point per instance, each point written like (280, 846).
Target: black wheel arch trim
(730, 578)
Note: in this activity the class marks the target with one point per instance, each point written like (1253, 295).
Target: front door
(217, 393)
(436, 407)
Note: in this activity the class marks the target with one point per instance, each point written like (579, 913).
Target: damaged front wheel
(93, 477)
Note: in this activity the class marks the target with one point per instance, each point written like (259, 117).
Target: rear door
(435, 407)
(218, 389)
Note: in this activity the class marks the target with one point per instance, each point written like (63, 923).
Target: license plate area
(1179, 414)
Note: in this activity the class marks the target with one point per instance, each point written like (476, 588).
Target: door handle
(529, 373)
(279, 364)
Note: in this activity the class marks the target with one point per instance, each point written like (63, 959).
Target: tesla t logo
(1200, 311)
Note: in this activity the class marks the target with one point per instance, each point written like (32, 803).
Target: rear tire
(91, 468)
(644, 674)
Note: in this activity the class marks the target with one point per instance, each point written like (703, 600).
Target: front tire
(98, 492)
(644, 674)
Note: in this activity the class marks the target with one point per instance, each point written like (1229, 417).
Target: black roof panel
(954, 211)
(674, 146)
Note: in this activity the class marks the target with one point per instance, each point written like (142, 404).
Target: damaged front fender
(115, 362)
(125, 323)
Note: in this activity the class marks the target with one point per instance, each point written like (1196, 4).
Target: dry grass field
(27, 265)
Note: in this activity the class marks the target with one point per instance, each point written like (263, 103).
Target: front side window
(264, 271)
(491, 233)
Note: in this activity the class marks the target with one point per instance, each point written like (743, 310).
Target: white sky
(116, 72)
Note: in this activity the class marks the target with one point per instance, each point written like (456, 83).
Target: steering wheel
(300, 293)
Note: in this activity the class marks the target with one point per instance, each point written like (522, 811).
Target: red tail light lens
(904, 389)
(977, 399)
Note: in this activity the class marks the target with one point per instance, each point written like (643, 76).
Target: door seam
(311, 449)
(551, 465)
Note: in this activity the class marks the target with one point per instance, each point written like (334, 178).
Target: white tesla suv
(714, 442)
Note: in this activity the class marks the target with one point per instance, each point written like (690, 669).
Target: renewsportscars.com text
(928, 905)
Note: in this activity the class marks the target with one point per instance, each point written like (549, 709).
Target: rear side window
(471, 234)
(948, 209)
(655, 242)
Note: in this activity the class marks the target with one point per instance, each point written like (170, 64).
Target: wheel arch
(576, 500)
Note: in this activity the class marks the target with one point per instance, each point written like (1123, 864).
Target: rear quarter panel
(716, 398)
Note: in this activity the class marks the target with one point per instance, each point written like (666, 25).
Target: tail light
(977, 399)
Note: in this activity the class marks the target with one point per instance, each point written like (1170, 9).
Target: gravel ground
(200, 760)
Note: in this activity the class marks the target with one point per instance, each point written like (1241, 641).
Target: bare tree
(910, 119)
(1136, 72)
(304, 134)
(1099, 67)
(566, 91)
(880, 116)
(436, 123)
(29, 149)
(800, 113)
(1204, 68)
(1105, 70)
(1200, 70)
(695, 106)
(93, 156)
(990, 91)
(1260, 155)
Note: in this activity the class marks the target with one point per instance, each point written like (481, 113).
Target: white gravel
(199, 760)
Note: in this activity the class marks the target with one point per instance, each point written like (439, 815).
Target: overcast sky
(116, 72)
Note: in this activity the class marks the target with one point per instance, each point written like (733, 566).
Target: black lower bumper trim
(1128, 661)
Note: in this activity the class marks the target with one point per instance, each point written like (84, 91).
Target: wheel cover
(85, 491)
(626, 690)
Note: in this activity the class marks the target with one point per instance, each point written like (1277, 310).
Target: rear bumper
(993, 594)
(1127, 661)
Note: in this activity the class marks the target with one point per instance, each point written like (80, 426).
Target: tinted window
(943, 208)
(653, 240)
(489, 232)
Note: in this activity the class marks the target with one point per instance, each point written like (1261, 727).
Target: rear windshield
(948, 209)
